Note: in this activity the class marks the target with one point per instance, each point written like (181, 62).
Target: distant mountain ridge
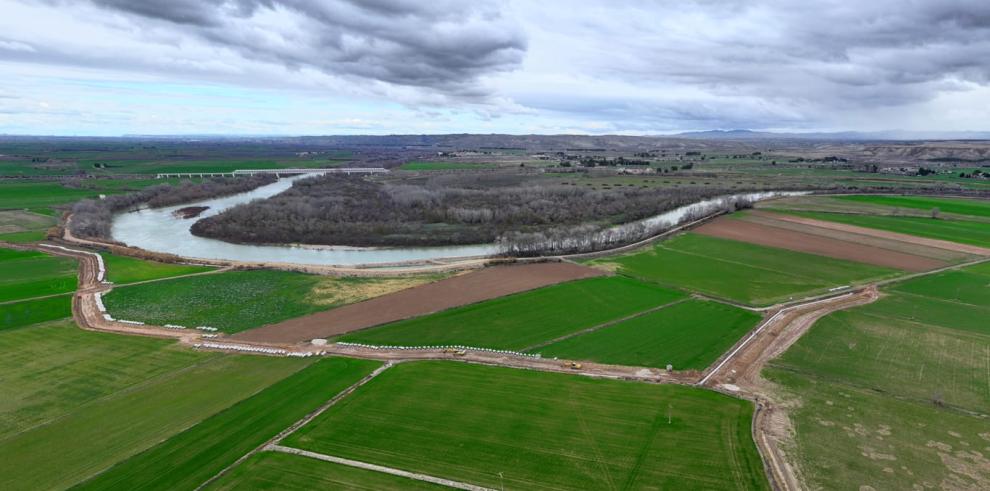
(891, 135)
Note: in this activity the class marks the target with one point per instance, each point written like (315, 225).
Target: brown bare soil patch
(756, 233)
(941, 244)
(452, 292)
(878, 242)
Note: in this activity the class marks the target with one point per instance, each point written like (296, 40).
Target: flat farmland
(524, 319)
(237, 300)
(689, 335)
(961, 231)
(123, 269)
(973, 207)
(27, 312)
(894, 394)
(76, 402)
(747, 273)
(29, 274)
(540, 430)
(281, 471)
(190, 458)
(455, 291)
(768, 233)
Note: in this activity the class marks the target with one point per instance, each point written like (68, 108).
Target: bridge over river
(277, 172)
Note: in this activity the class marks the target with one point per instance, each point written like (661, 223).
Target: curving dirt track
(738, 373)
(476, 286)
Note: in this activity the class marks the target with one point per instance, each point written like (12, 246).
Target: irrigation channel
(160, 230)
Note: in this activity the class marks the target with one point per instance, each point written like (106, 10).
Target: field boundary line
(604, 325)
(43, 297)
(377, 468)
(299, 424)
(216, 270)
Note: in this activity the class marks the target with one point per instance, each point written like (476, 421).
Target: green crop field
(27, 312)
(40, 196)
(739, 271)
(29, 274)
(894, 394)
(445, 166)
(280, 471)
(197, 454)
(24, 237)
(524, 319)
(972, 207)
(76, 402)
(540, 430)
(237, 300)
(123, 269)
(961, 231)
(689, 335)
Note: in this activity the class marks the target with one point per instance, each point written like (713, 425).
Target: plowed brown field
(452, 292)
(757, 233)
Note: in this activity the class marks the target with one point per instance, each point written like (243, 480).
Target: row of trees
(447, 210)
(92, 218)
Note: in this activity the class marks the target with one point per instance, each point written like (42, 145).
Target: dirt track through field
(912, 239)
(738, 373)
(766, 235)
(452, 292)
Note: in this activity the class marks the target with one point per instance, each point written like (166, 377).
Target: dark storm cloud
(440, 45)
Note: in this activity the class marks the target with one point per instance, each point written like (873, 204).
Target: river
(159, 230)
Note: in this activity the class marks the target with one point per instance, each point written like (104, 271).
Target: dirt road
(738, 373)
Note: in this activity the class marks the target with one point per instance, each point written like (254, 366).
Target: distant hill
(894, 135)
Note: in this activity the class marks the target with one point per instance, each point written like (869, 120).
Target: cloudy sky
(109, 67)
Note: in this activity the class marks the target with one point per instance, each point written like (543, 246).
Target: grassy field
(739, 271)
(123, 269)
(972, 207)
(19, 226)
(27, 312)
(445, 166)
(238, 300)
(280, 471)
(193, 456)
(541, 430)
(895, 394)
(76, 402)
(524, 319)
(689, 335)
(41, 196)
(29, 274)
(961, 231)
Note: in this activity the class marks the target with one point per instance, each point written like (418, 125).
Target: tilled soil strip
(452, 292)
(941, 244)
(766, 235)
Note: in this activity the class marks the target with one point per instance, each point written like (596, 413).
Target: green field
(961, 231)
(689, 335)
(41, 196)
(739, 271)
(894, 394)
(27, 312)
(197, 454)
(540, 430)
(237, 300)
(18, 226)
(524, 319)
(29, 274)
(946, 205)
(419, 166)
(123, 269)
(281, 471)
(76, 402)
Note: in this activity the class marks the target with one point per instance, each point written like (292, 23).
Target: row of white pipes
(101, 270)
(457, 347)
